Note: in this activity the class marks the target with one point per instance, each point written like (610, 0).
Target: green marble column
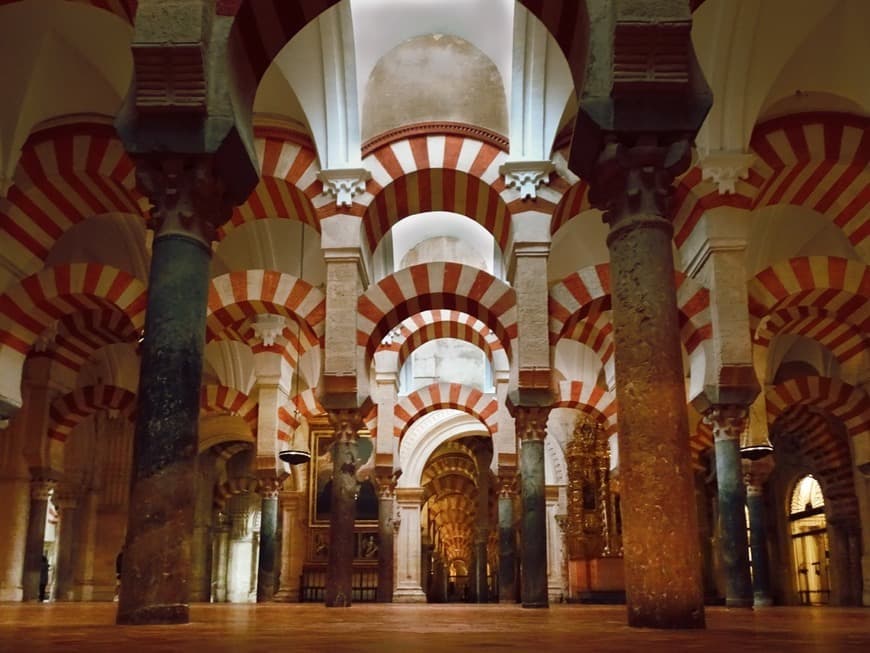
(531, 425)
(507, 543)
(156, 572)
(267, 558)
(386, 531)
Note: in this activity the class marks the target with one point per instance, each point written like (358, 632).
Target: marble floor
(372, 628)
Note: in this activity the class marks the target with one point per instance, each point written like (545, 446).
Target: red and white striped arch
(818, 161)
(232, 487)
(842, 339)
(71, 409)
(693, 196)
(595, 330)
(575, 297)
(574, 201)
(700, 442)
(826, 452)
(239, 296)
(37, 302)
(591, 399)
(215, 398)
(303, 405)
(848, 403)
(836, 288)
(434, 286)
(437, 396)
(82, 334)
(435, 172)
(66, 174)
(427, 326)
(288, 186)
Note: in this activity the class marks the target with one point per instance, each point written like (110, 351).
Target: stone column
(531, 424)
(13, 515)
(557, 579)
(201, 546)
(66, 502)
(755, 474)
(268, 489)
(188, 205)
(240, 550)
(345, 462)
(292, 546)
(662, 554)
(408, 547)
(40, 492)
(507, 539)
(85, 545)
(220, 556)
(386, 535)
(479, 589)
(728, 423)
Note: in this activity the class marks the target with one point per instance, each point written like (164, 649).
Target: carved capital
(531, 422)
(41, 489)
(634, 173)
(507, 486)
(344, 183)
(725, 168)
(756, 473)
(526, 176)
(270, 486)
(346, 423)
(188, 197)
(728, 421)
(268, 327)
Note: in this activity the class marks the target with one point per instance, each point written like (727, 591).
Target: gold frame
(321, 468)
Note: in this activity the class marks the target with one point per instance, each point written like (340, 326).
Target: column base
(537, 604)
(409, 595)
(762, 601)
(11, 594)
(290, 595)
(738, 603)
(174, 613)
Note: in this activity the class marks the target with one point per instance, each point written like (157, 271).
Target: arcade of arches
(572, 309)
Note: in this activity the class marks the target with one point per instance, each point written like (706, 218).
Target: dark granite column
(386, 531)
(201, 547)
(266, 566)
(728, 424)
(187, 204)
(531, 426)
(66, 502)
(507, 540)
(755, 474)
(345, 462)
(479, 588)
(40, 491)
(662, 554)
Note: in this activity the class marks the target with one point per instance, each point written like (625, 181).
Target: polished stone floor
(371, 628)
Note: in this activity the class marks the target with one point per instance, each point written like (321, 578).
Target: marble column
(13, 515)
(479, 589)
(240, 562)
(188, 204)
(67, 503)
(220, 557)
(84, 551)
(728, 424)
(345, 462)
(507, 540)
(34, 544)
(755, 474)
(386, 535)
(292, 545)
(408, 547)
(266, 565)
(631, 183)
(531, 425)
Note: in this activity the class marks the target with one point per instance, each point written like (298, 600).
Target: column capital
(344, 183)
(725, 169)
(531, 422)
(507, 484)
(269, 486)
(187, 194)
(728, 421)
(41, 489)
(346, 423)
(268, 327)
(633, 175)
(526, 176)
(756, 473)
(385, 482)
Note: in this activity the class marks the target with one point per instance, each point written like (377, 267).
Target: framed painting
(320, 479)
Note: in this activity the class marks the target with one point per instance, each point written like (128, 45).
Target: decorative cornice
(526, 176)
(344, 183)
(429, 128)
(725, 168)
